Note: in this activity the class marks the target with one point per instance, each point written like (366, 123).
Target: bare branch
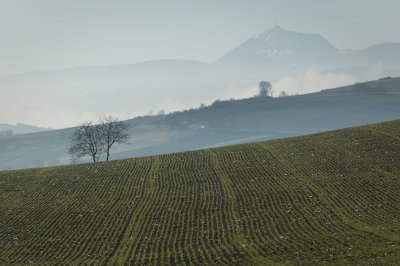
(86, 141)
(112, 131)
(92, 140)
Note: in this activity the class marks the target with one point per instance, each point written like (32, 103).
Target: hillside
(328, 198)
(7, 129)
(222, 123)
(386, 85)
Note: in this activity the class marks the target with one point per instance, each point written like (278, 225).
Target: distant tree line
(94, 139)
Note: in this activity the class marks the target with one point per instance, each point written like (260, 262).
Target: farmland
(328, 198)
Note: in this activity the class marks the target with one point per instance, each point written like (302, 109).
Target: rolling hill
(222, 123)
(328, 198)
(7, 129)
(387, 86)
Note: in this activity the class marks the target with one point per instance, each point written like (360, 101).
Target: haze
(49, 35)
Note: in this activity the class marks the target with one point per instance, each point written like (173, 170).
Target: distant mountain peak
(274, 30)
(280, 42)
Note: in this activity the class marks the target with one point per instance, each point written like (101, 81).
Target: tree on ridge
(90, 139)
(265, 89)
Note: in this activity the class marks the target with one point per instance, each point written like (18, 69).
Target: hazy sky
(53, 34)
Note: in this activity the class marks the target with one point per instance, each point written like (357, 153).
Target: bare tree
(86, 141)
(92, 140)
(112, 131)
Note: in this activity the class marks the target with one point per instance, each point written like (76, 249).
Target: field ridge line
(131, 230)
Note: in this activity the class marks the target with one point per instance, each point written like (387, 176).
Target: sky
(56, 34)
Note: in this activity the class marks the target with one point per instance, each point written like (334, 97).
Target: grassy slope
(324, 198)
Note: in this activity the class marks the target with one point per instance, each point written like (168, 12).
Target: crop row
(324, 198)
